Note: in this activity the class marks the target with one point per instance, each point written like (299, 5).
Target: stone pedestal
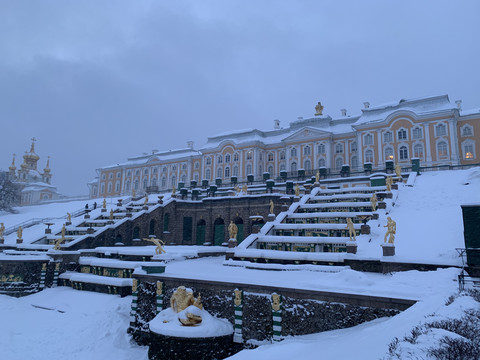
(365, 230)
(174, 196)
(388, 249)
(307, 188)
(109, 222)
(68, 223)
(232, 243)
(128, 214)
(394, 186)
(90, 230)
(48, 231)
(2, 240)
(285, 207)
(19, 241)
(87, 216)
(316, 184)
(119, 202)
(255, 229)
(145, 207)
(271, 217)
(104, 210)
(351, 247)
(381, 205)
(296, 198)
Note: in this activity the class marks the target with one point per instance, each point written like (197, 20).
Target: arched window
(321, 149)
(467, 130)
(164, 182)
(135, 185)
(338, 163)
(117, 186)
(403, 153)
(270, 157)
(197, 165)
(369, 156)
(321, 162)
(354, 162)
(249, 155)
(388, 153)
(282, 167)
(354, 146)
(137, 172)
(110, 176)
(368, 139)
(293, 152)
(173, 181)
(306, 150)
(442, 150)
(282, 155)
(145, 172)
(417, 133)
(235, 170)
(293, 166)
(219, 172)
(387, 137)
(402, 134)
(227, 172)
(208, 174)
(184, 178)
(128, 184)
(418, 151)
(129, 173)
(468, 150)
(109, 187)
(154, 182)
(307, 165)
(235, 157)
(219, 159)
(270, 170)
(227, 158)
(209, 161)
(441, 130)
(145, 183)
(249, 169)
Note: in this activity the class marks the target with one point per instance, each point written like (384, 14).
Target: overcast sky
(98, 81)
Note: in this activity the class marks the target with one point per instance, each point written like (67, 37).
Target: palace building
(35, 186)
(431, 129)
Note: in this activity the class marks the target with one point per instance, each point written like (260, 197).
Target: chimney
(344, 112)
(277, 124)
(459, 104)
(366, 104)
(190, 144)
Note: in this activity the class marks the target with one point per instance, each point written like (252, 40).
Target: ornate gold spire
(13, 167)
(47, 168)
(32, 149)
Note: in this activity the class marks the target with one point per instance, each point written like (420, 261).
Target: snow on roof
(470, 112)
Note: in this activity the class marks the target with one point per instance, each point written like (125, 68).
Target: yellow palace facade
(431, 129)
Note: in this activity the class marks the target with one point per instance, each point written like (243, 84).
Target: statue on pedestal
(104, 203)
(69, 217)
(398, 170)
(19, 233)
(160, 244)
(245, 189)
(391, 230)
(351, 229)
(232, 230)
(297, 190)
(318, 109)
(317, 177)
(146, 200)
(2, 230)
(389, 182)
(111, 215)
(272, 206)
(174, 190)
(181, 300)
(374, 201)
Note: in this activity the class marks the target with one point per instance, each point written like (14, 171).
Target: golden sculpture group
(373, 201)
(182, 299)
(160, 244)
(19, 233)
(351, 230)
(391, 230)
(389, 182)
(232, 230)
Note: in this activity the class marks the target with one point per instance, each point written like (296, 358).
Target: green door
(219, 234)
(187, 230)
(240, 233)
(200, 234)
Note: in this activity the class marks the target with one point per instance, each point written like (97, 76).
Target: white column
(428, 151)
(328, 150)
(452, 124)
(359, 150)
(381, 160)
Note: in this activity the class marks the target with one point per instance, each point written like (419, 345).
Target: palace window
(321, 149)
(196, 177)
(249, 155)
(102, 188)
(354, 146)
(209, 161)
(235, 171)
(145, 172)
(235, 157)
(417, 133)
(164, 169)
(153, 182)
(109, 187)
(321, 162)
(306, 150)
(338, 163)
(467, 130)
(402, 134)
(135, 185)
(117, 186)
(197, 165)
(369, 156)
(293, 166)
(129, 173)
(128, 184)
(219, 172)
(282, 167)
(227, 158)
(220, 159)
(441, 130)
(468, 150)
(403, 152)
(145, 183)
(270, 170)
(119, 174)
(270, 157)
(184, 178)
(260, 155)
(418, 151)
(104, 176)
(227, 172)
(173, 181)
(387, 137)
(164, 182)
(442, 150)
(174, 167)
(208, 174)
(339, 148)
(249, 169)
(388, 153)
(368, 139)
(282, 155)
(354, 162)
(184, 167)
(307, 165)
(110, 176)
(293, 152)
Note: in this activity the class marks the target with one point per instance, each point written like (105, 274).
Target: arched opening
(240, 234)
(118, 240)
(201, 226)
(166, 219)
(218, 232)
(151, 228)
(136, 233)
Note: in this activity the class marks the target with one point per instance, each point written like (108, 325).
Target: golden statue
(319, 109)
(2, 230)
(174, 190)
(146, 200)
(391, 230)
(19, 233)
(245, 189)
(398, 170)
(297, 190)
(232, 230)
(238, 297)
(317, 177)
(69, 217)
(160, 244)
(351, 229)
(159, 288)
(104, 203)
(237, 189)
(272, 205)
(373, 201)
(111, 215)
(182, 299)
(61, 240)
(389, 182)
(134, 285)
(275, 302)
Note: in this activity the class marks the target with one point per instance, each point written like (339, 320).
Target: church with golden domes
(35, 185)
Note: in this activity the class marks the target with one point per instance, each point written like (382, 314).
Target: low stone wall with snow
(304, 311)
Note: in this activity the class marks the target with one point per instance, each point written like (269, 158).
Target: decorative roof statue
(181, 300)
(160, 244)
(319, 109)
(351, 229)
(391, 230)
(232, 230)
